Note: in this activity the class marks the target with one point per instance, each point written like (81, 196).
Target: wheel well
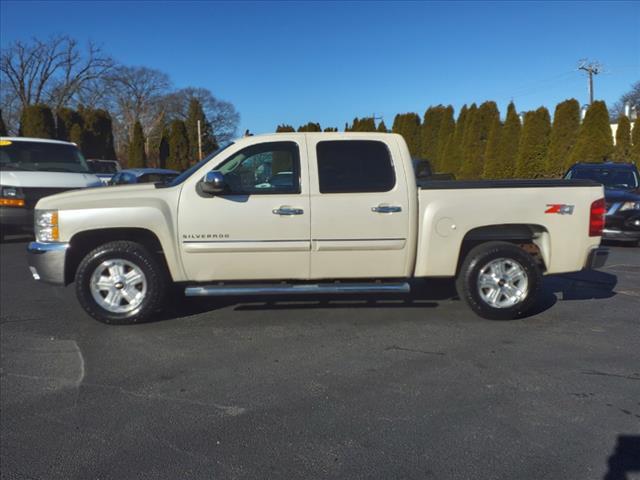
(525, 236)
(82, 243)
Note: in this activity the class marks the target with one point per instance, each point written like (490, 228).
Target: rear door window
(352, 166)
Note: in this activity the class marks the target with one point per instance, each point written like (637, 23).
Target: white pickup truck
(314, 213)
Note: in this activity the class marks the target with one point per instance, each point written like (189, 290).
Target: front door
(258, 229)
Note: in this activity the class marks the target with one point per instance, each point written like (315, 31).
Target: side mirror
(213, 182)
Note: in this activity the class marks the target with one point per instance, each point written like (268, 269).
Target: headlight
(630, 206)
(11, 197)
(46, 225)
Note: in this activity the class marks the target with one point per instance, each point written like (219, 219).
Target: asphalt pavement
(411, 387)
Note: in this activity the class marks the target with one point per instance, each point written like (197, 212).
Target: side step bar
(296, 289)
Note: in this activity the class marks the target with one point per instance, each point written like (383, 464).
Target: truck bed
(425, 184)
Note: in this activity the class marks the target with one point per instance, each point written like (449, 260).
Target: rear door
(360, 208)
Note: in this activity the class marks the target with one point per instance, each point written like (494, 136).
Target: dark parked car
(103, 169)
(622, 195)
(143, 175)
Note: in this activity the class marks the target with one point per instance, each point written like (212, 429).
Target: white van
(33, 168)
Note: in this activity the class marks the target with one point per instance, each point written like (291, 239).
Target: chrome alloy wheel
(118, 285)
(503, 283)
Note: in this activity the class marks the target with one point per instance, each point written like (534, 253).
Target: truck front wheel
(120, 283)
(499, 281)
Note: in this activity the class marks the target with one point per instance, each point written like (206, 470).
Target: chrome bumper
(46, 261)
(597, 258)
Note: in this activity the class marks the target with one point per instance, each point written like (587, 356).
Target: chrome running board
(296, 289)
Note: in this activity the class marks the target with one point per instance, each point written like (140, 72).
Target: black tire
(477, 260)
(155, 276)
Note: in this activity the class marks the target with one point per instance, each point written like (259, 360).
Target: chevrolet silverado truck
(314, 213)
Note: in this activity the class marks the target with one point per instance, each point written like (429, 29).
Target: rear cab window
(354, 166)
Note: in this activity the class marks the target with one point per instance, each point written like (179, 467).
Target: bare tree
(222, 115)
(51, 71)
(134, 94)
(632, 98)
(61, 74)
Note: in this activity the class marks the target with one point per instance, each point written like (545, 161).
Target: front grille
(33, 194)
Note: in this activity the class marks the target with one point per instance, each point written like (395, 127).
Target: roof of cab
(32, 139)
(319, 134)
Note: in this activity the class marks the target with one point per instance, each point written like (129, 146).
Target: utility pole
(199, 142)
(592, 68)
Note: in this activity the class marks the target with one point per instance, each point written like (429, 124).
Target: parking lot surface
(411, 387)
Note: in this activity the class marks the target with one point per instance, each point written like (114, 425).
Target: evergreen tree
(76, 135)
(98, 134)
(534, 143)
(451, 158)
(37, 121)
(509, 142)
(285, 128)
(66, 118)
(195, 113)
(475, 141)
(163, 149)
(429, 133)
(382, 128)
(564, 133)
(635, 142)
(310, 127)
(622, 151)
(3, 127)
(366, 124)
(408, 125)
(595, 142)
(331, 129)
(492, 154)
(179, 158)
(447, 128)
(137, 156)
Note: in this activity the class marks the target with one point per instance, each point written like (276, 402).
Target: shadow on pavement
(625, 458)
(584, 285)
(424, 294)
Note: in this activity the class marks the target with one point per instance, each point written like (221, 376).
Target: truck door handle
(287, 211)
(386, 209)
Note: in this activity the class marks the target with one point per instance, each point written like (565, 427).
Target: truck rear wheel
(120, 283)
(499, 281)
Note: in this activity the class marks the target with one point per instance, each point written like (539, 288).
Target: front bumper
(47, 260)
(621, 235)
(622, 226)
(597, 258)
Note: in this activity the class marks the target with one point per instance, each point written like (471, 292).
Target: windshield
(189, 171)
(41, 157)
(609, 177)
(105, 167)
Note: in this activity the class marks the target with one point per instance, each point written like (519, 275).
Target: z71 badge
(559, 208)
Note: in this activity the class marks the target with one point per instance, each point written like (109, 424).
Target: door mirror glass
(213, 182)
